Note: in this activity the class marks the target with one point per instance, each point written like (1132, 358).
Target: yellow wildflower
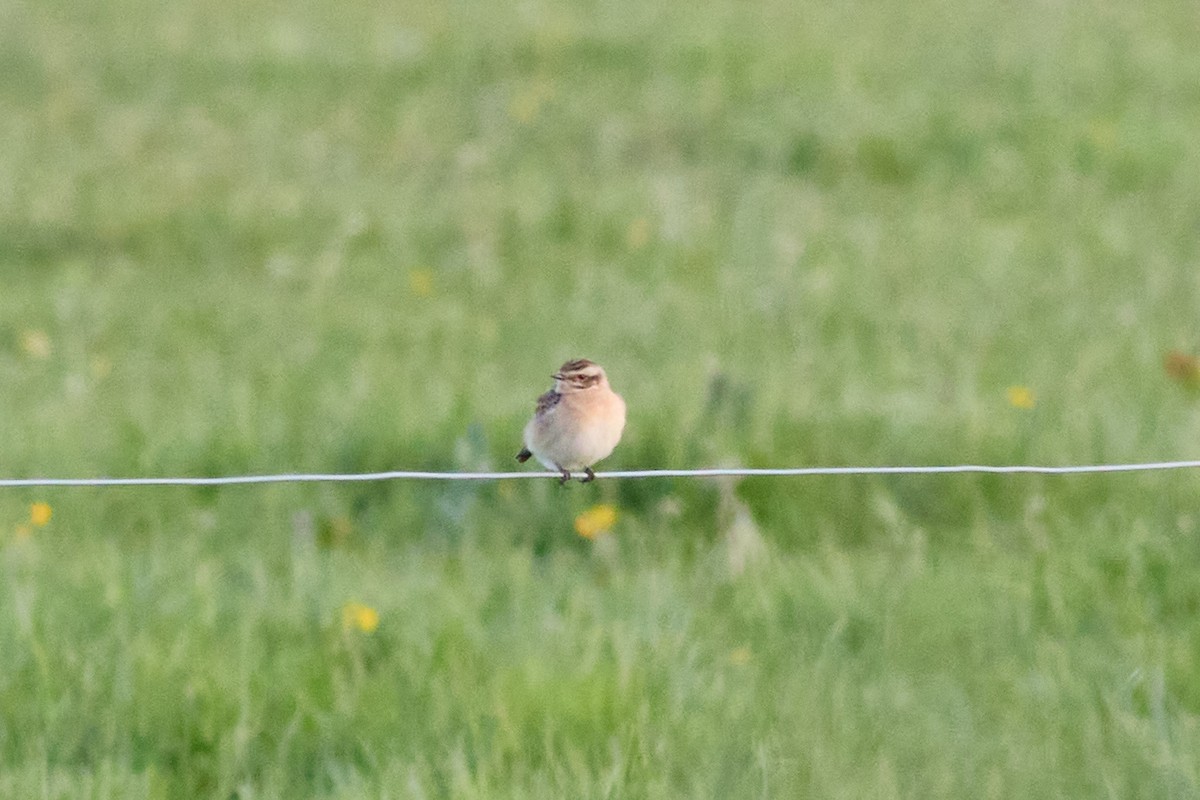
(359, 617)
(596, 520)
(1102, 134)
(524, 107)
(740, 655)
(527, 103)
(36, 344)
(638, 233)
(1021, 397)
(100, 366)
(40, 513)
(420, 282)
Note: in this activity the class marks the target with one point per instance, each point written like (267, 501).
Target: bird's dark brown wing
(548, 401)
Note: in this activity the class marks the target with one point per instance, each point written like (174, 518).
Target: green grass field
(261, 236)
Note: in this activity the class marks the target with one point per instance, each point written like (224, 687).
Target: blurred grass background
(265, 236)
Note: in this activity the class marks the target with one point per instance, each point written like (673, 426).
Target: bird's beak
(558, 376)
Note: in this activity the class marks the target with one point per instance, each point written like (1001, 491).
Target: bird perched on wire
(577, 423)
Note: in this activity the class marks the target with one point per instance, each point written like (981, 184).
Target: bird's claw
(565, 475)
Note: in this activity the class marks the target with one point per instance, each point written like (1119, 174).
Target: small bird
(577, 423)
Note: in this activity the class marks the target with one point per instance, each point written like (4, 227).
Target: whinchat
(577, 423)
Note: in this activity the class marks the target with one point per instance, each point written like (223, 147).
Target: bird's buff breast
(578, 433)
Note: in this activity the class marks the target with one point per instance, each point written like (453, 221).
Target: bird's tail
(524, 455)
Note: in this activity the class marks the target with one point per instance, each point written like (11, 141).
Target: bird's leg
(591, 476)
(566, 476)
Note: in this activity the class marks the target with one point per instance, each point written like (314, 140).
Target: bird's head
(578, 376)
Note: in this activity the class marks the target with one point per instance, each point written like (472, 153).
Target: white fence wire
(739, 472)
